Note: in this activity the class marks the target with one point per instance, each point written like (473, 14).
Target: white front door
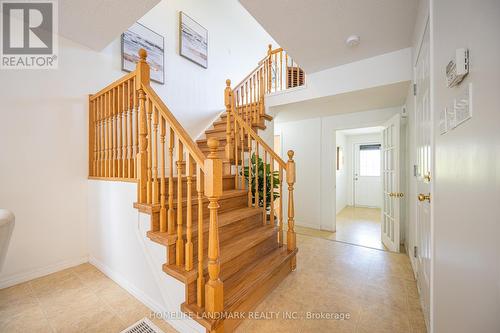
(367, 182)
(424, 167)
(391, 183)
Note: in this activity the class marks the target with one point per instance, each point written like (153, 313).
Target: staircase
(221, 221)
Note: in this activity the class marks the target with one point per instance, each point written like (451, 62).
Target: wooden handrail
(261, 142)
(113, 85)
(186, 140)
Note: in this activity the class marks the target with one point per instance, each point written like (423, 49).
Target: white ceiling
(95, 23)
(381, 97)
(314, 31)
(361, 131)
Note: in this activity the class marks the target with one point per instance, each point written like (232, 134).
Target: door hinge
(415, 251)
(414, 89)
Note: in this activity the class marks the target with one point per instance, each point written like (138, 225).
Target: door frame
(427, 26)
(354, 168)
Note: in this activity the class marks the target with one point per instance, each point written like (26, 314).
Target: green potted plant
(261, 168)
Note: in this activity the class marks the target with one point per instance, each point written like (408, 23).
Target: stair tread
(225, 218)
(229, 250)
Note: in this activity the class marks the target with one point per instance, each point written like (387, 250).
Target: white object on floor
(143, 326)
(6, 228)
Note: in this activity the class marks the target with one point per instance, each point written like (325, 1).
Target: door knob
(423, 197)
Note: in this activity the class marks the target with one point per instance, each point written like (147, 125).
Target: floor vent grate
(143, 326)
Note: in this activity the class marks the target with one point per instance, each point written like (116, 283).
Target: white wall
(303, 137)
(351, 141)
(43, 126)
(466, 280)
(313, 141)
(341, 176)
(119, 247)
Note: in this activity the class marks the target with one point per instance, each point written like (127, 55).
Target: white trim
(123, 282)
(14, 279)
(179, 325)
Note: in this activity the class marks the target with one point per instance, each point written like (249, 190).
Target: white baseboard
(178, 324)
(125, 284)
(14, 279)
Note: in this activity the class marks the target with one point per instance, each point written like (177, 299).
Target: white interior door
(367, 179)
(391, 183)
(424, 167)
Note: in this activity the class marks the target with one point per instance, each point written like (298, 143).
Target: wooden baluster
(280, 203)
(269, 70)
(155, 186)
(149, 111)
(189, 213)
(261, 102)
(245, 102)
(256, 196)
(135, 95)
(130, 98)
(242, 156)
(290, 179)
(228, 101)
(163, 209)
(214, 289)
(281, 70)
(179, 258)
(171, 216)
(119, 131)
(114, 129)
(142, 157)
(105, 134)
(250, 103)
(98, 138)
(110, 136)
(271, 167)
(125, 130)
(236, 155)
(200, 282)
(286, 70)
(250, 149)
(275, 72)
(136, 98)
(264, 185)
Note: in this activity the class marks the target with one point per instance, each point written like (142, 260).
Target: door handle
(423, 197)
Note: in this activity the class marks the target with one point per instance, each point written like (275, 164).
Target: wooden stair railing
(249, 156)
(132, 136)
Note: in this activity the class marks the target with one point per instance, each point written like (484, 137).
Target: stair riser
(231, 230)
(226, 205)
(227, 183)
(249, 256)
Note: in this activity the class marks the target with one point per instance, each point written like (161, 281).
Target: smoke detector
(352, 41)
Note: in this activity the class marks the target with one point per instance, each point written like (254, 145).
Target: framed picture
(193, 40)
(137, 37)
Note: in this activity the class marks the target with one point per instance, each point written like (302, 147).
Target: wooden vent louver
(295, 77)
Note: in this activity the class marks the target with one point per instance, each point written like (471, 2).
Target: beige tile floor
(78, 299)
(355, 225)
(376, 288)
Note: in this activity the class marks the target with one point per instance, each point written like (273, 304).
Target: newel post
(290, 179)
(214, 299)
(228, 101)
(142, 77)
